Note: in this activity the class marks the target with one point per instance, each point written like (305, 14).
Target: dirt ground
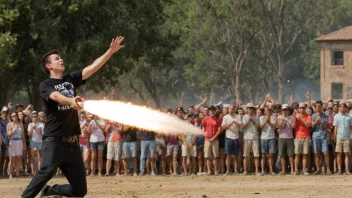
(202, 186)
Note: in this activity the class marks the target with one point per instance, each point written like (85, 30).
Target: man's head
(302, 108)
(342, 107)
(267, 111)
(20, 115)
(190, 109)
(278, 109)
(52, 61)
(206, 111)
(19, 107)
(250, 108)
(225, 110)
(4, 112)
(231, 109)
(319, 106)
(212, 111)
(285, 109)
(42, 117)
(180, 112)
(34, 116)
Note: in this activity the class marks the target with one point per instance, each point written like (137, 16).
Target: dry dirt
(203, 186)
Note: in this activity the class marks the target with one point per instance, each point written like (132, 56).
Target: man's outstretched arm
(98, 63)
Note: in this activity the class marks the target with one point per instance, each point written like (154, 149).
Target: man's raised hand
(115, 44)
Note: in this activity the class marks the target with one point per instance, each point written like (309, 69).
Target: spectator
(35, 132)
(114, 146)
(129, 148)
(5, 141)
(17, 144)
(84, 139)
(189, 150)
(148, 146)
(97, 144)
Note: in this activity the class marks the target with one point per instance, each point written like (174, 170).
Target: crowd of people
(309, 138)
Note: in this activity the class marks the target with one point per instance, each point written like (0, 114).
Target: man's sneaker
(347, 172)
(306, 173)
(272, 173)
(296, 173)
(259, 174)
(227, 173)
(245, 173)
(318, 172)
(339, 172)
(153, 174)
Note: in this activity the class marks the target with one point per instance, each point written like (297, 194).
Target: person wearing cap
(114, 147)
(320, 122)
(286, 124)
(5, 141)
(302, 141)
(268, 125)
(35, 132)
(212, 128)
(62, 129)
(251, 123)
(232, 124)
(189, 149)
(342, 123)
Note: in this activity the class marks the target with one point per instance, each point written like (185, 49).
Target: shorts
(160, 146)
(83, 147)
(148, 148)
(232, 146)
(267, 146)
(189, 152)
(251, 145)
(172, 149)
(99, 145)
(342, 146)
(129, 149)
(114, 151)
(286, 147)
(320, 145)
(16, 148)
(200, 142)
(302, 146)
(211, 149)
(35, 145)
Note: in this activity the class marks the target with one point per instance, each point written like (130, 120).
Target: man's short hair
(319, 102)
(46, 60)
(212, 108)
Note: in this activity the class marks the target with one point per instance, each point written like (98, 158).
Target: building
(336, 64)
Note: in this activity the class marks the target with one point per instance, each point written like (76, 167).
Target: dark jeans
(67, 157)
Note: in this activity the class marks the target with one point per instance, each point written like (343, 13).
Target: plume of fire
(140, 117)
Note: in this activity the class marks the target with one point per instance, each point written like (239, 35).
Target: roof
(344, 34)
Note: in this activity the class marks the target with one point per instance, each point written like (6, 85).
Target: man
(148, 146)
(251, 123)
(205, 111)
(60, 140)
(189, 150)
(129, 148)
(342, 124)
(268, 125)
(232, 124)
(302, 140)
(286, 125)
(320, 122)
(212, 128)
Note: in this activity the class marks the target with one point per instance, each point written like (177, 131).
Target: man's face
(302, 110)
(4, 115)
(224, 110)
(267, 112)
(335, 109)
(250, 111)
(190, 110)
(83, 116)
(342, 108)
(259, 112)
(57, 63)
(212, 113)
(231, 110)
(285, 112)
(206, 111)
(180, 114)
(241, 112)
(19, 109)
(318, 107)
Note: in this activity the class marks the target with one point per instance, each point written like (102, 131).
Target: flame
(141, 117)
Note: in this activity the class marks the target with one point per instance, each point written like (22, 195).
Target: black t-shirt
(130, 135)
(62, 121)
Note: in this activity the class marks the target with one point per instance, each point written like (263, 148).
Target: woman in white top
(97, 144)
(35, 132)
(15, 133)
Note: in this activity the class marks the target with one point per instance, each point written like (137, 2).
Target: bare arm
(61, 99)
(98, 63)
(201, 104)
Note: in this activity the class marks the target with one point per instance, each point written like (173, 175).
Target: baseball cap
(4, 108)
(180, 109)
(278, 106)
(285, 106)
(19, 105)
(250, 105)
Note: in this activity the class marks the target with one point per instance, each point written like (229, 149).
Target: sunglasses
(14, 116)
(34, 116)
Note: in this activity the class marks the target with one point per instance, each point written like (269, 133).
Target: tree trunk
(281, 79)
(237, 87)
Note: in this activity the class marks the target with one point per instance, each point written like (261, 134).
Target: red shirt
(211, 126)
(302, 131)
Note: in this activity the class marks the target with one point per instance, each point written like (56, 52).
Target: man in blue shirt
(342, 123)
(4, 140)
(320, 142)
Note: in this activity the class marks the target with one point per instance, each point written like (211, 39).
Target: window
(336, 90)
(337, 57)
